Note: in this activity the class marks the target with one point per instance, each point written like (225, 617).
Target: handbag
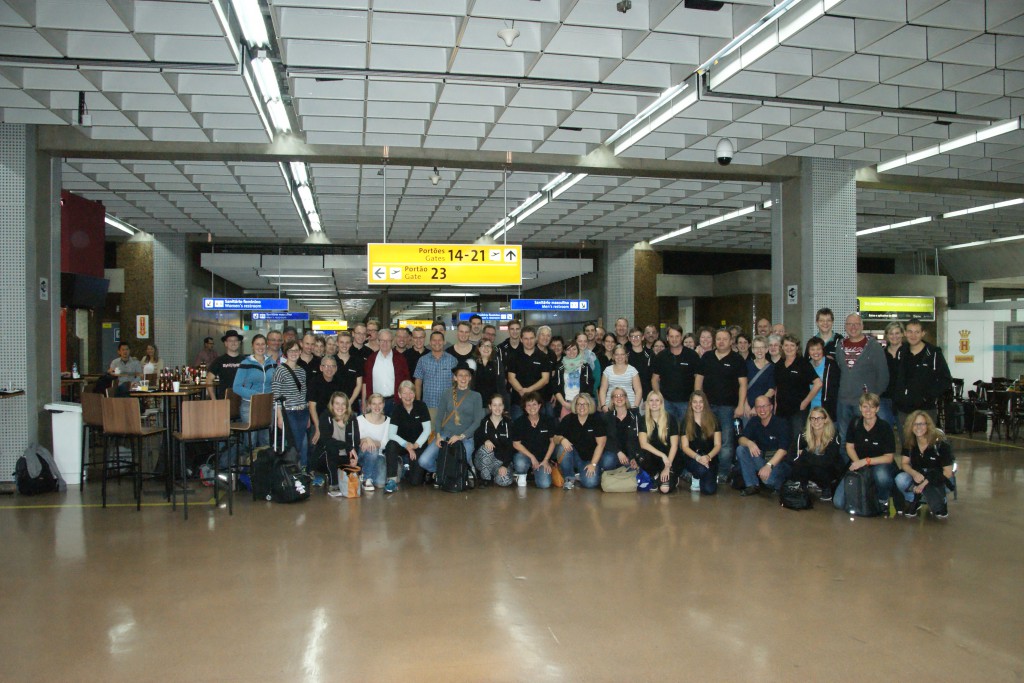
(557, 480)
(349, 485)
(618, 480)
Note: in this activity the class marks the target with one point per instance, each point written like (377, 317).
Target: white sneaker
(368, 485)
(569, 483)
(695, 484)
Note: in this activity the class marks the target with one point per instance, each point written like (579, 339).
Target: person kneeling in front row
(582, 437)
(762, 449)
(459, 412)
(818, 454)
(493, 457)
(927, 466)
(870, 443)
(533, 438)
(700, 443)
(659, 444)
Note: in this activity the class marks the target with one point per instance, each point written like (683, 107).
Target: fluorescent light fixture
(497, 226)
(279, 115)
(457, 295)
(534, 208)
(306, 196)
(299, 172)
(984, 207)
(655, 123)
(257, 100)
(893, 226)
(1012, 238)
(554, 183)
(726, 217)
(119, 224)
(723, 71)
(670, 235)
(763, 24)
(254, 26)
(567, 184)
(979, 243)
(266, 77)
(283, 276)
(522, 207)
(768, 204)
(992, 131)
(314, 222)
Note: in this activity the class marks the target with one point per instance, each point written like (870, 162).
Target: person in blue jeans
(870, 443)
(762, 450)
(533, 438)
(459, 412)
(722, 376)
(581, 438)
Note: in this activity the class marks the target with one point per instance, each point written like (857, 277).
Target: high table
(177, 397)
(74, 387)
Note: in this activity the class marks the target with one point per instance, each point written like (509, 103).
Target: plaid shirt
(436, 375)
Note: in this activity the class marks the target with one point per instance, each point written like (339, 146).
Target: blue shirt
(436, 376)
(816, 401)
(770, 437)
(765, 382)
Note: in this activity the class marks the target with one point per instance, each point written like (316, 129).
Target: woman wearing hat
(458, 414)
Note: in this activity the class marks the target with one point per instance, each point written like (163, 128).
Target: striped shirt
(284, 387)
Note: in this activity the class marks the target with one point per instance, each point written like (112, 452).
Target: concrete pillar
(170, 298)
(30, 308)
(647, 265)
(814, 245)
(619, 283)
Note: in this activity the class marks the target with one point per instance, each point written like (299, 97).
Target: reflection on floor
(507, 584)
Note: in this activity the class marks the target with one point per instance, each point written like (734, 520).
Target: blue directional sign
(550, 305)
(242, 304)
(487, 317)
(294, 315)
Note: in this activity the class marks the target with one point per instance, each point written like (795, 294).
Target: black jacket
(586, 380)
(500, 436)
(830, 387)
(327, 442)
(629, 441)
(923, 379)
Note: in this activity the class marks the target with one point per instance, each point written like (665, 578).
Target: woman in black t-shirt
(410, 430)
(489, 378)
(582, 437)
(659, 444)
(927, 467)
(622, 427)
(796, 384)
(700, 443)
(818, 454)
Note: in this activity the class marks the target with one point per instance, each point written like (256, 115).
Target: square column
(814, 245)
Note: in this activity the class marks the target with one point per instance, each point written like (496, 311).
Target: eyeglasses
(817, 418)
(920, 424)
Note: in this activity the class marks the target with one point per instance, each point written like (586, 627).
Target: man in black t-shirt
(529, 370)
(224, 368)
(723, 377)
(640, 357)
(417, 350)
(532, 435)
(673, 372)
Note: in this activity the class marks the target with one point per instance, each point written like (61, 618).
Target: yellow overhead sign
(897, 307)
(425, 324)
(324, 325)
(444, 264)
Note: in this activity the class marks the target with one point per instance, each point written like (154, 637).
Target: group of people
(688, 409)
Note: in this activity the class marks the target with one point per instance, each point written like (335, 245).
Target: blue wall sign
(245, 304)
(294, 315)
(551, 305)
(487, 317)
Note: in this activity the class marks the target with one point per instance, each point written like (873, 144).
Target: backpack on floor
(35, 472)
(452, 468)
(861, 497)
(793, 495)
(288, 483)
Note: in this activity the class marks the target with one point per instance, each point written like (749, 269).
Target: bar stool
(259, 418)
(92, 421)
(236, 403)
(200, 421)
(122, 419)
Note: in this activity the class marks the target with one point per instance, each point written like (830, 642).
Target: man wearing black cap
(225, 367)
(207, 355)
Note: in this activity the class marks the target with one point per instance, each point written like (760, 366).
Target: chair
(999, 407)
(958, 389)
(260, 406)
(92, 420)
(123, 419)
(236, 403)
(200, 421)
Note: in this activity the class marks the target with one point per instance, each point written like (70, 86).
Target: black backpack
(44, 482)
(861, 495)
(288, 483)
(452, 468)
(793, 495)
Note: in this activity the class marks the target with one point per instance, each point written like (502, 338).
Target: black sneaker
(750, 491)
(912, 509)
(941, 514)
(826, 495)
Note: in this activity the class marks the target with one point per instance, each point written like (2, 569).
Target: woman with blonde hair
(818, 456)
(582, 438)
(700, 442)
(659, 444)
(927, 467)
(374, 434)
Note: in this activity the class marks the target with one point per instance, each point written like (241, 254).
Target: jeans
(750, 466)
(428, 460)
(295, 422)
(883, 475)
(571, 463)
(708, 476)
(724, 415)
(372, 465)
(887, 411)
(796, 423)
(848, 412)
(522, 465)
(934, 494)
(677, 409)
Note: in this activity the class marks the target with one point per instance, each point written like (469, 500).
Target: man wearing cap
(459, 413)
(206, 355)
(384, 371)
(224, 367)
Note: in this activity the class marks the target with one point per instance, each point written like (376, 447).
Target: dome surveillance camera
(724, 151)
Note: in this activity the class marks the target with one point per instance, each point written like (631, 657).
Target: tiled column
(619, 283)
(814, 244)
(170, 297)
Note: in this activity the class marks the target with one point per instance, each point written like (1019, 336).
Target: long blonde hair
(656, 426)
(708, 423)
(828, 431)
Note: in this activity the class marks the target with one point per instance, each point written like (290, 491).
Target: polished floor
(516, 585)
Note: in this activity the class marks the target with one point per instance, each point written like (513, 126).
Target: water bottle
(74, 371)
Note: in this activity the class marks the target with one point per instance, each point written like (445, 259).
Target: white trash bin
(67, 439)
